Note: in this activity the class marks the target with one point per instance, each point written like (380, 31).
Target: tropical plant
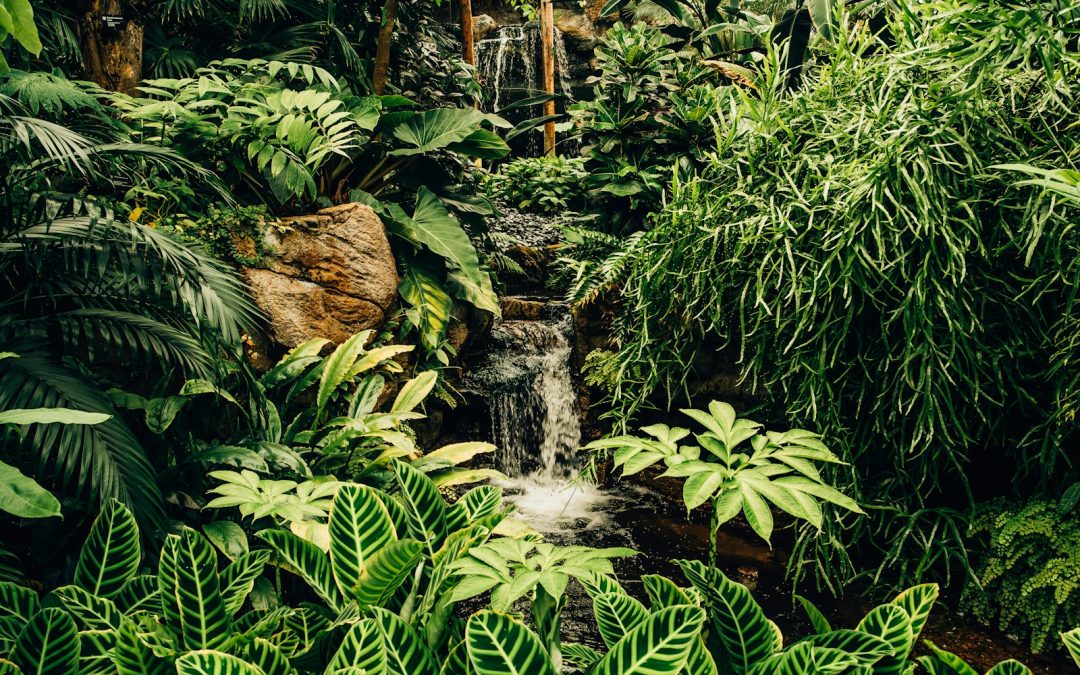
(1026, 563)
(17, 22)
(743, 468)
(83, 289)
(20, 495)
(883, 307)
(548, 184)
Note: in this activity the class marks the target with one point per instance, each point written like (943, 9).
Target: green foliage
(548, 184)
(855, 248)
(17, 22)
(234, 233)
(1027, 568)
(777, 468)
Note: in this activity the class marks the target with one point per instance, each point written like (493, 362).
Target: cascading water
(509, 65)
(525, 380)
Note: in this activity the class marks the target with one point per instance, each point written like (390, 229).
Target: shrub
(1027, 567)
(871, 263)
(235, 233)
(541, 184)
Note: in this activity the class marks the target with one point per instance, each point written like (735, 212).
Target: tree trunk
(547, 42)
(467, 32)
(382, 51)
(112, 57)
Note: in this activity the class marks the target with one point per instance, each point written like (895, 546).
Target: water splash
(535, 422)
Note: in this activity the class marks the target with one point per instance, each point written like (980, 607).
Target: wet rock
(483, 26)
(521, 309)
(577, 28)
(332, 274)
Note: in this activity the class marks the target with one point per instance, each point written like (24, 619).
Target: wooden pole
(467, 32)
(382, 49)
(547, 43)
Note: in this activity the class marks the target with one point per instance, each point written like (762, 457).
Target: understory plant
(866, 251)
(548, 184)
(1027, 567)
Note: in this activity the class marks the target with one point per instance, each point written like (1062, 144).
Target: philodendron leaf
(22, 497)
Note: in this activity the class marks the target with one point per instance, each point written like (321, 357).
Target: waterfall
(510, 67)
(525, 380)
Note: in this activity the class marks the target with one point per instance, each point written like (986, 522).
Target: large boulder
(331, 274)
(483, 26)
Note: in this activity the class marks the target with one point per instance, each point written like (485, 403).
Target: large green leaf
(191, 584)
(501, 645)
(867, 649)
(892, 624)
(413, 392)
(22, 497)
(917, 601)
(139, 593)
(430, 305)
(95, 652)
(48, 644)
(338, 365)
(18, 604)
(210, 662)
(1009, 667)
(434, 227)
(436, 129)
(21, 14)
(658, 646)
(110, 556)
(92, 612)
(405, 651)
(306, 560)
(425, 509)
(133, 657)
(941, 662)
(51, 416)
(616, 615)
(737, 620)
(482, 143)
(268, 658)
(238, 578)
(817, 619)
(362, 647)
(1072, 643)
(359, 527)
(385, 571)
(663, 592)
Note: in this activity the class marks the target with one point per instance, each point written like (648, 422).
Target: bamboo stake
(547, 42)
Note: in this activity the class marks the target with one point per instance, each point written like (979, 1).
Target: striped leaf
(133, 657)
(405, 651)
(457, 661)
(596, 584)
(95, 652)
(501, 645)
(18, 605)
(700, 661)
(359, 527)
(865, 648)
(658, 646)
(385, 571)
(307, 561)
(616, 615)
(139, 593)
(663, 592)
(917, 601)
(305, 624)
(9, 668)
(480, 501)
(166, 579)
(941, 662)
(362, 647)
(268, 658)
(110, 556)
(1010, 667)
(737, 620)
(425, 509)
(48, 644)
(817, 619)
(194, 588)
(210, 662)
(893, 625)
(804, 658)
(1072, 643)
(238, 578)
(89, 611)
(581, 657)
